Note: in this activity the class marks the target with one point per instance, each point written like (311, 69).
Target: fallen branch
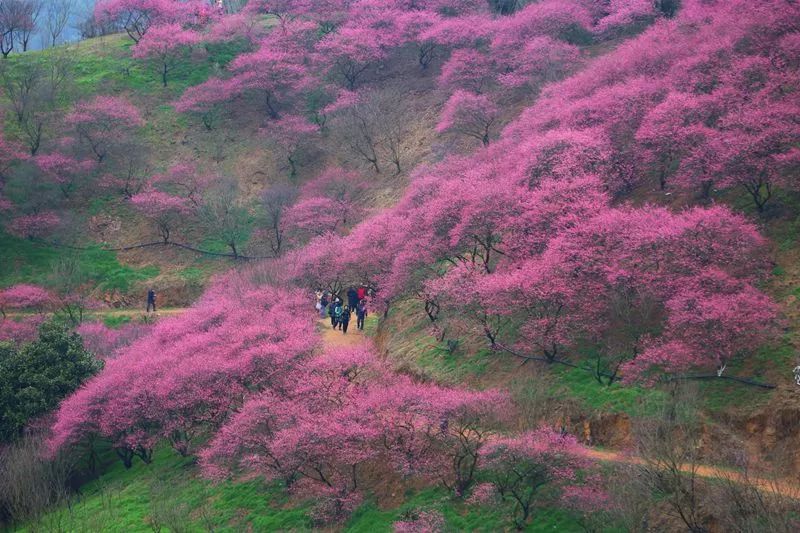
(152, 244)
(744, 381)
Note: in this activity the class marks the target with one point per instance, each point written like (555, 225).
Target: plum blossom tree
(103, 123)
(66, 172)
(166, 211)
(24, 296)
(137, 16)
(34, 226)
(166, 45)
(528, 467)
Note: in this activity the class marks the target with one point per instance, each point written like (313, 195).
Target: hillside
(572, 225)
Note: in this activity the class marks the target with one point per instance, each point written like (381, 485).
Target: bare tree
(57, 16)
(375, 128)
(30, 484)
(225, 216)
(668, 445)
(748, 499)
(275, 201)
(34, 89)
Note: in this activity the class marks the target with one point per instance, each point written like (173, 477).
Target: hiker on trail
(352, 298)
(337, 314)
(362, 293)
(345, 320)
(323, 305)
(361, 314)
(151, 300)
(332, 312)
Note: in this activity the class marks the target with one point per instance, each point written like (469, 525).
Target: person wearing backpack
(361, 314)
(345, 319)
(338, 311)
(332, 312)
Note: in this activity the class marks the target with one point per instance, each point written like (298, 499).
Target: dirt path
(781, 487)
(168, 311)
(335, 338)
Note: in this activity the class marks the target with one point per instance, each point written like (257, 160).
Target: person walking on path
(151, 300)
(345, 320)
(323, 302)
(361, 292)
(352, 298)
(337, 314)
(361, 314)
(332, 312)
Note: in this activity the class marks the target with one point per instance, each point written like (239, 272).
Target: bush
(37, 376)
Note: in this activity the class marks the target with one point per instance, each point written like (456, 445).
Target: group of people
(331, 305)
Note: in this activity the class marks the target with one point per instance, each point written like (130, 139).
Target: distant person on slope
(345, 320)
(151, 300)
(352, 298)
(361, 314)
(361, 292)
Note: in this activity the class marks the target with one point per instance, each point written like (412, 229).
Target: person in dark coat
(361, 314)
(345, 319)
(332, 312)
(352, 298)
(151, 300)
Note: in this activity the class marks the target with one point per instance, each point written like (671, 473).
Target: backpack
(338, 310)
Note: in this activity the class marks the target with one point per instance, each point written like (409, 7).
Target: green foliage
(171, 494)
(25, 261)
(115, 321)
(458, 516)
(601, 398)
(35, 377)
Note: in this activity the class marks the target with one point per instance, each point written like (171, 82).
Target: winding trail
(787, 488)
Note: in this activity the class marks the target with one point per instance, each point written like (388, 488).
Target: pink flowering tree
(166, 211)
(137, 16)
(104, 122)
(207, 98)
(24, 296)
(533, 467)
(34, 226)
(65, 171)
(469, 114)
(165, 46)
